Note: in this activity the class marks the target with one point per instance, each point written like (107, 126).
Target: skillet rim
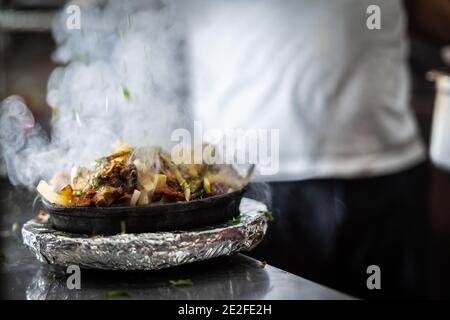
(184, 206)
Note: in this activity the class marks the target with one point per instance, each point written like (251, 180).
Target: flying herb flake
(55, 113)
(123, 229)
(234, 221)
(96, 180)
(77, 118)
(129, 21)
(57, 276)
(116, 294)
(185, 282)
(121, 35)
(82, 57)
(268, 215)
(14, 227)
(98, 162)
(126, 93)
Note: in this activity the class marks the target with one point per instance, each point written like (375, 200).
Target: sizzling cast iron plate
(150, 218)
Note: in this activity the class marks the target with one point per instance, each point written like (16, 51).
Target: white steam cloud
(122, 77)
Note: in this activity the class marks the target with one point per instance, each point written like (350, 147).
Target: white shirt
(338, 92)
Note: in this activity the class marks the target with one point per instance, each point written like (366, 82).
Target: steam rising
(121, 78)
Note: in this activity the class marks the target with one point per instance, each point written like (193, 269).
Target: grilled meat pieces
(111, 183)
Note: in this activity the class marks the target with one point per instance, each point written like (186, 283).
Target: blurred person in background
(351, 188)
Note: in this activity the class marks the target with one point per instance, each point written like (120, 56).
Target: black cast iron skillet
(149, 218)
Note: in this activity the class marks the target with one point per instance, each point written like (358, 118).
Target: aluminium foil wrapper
(147, 251)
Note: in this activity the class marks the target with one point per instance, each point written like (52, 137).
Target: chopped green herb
(98, 162)
(123, 229)
(129, 21)
(235, 220)
(126, 92)
(57, 276)
(121, 35)
(55, 113)
(185, 282)
(77, 192)
(77, 118)
(116, 294)
(268, 215)
(59, 233)
(82, 57)
(96, 180)
(14, 227)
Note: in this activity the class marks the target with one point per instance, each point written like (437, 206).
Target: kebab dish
(138, 177)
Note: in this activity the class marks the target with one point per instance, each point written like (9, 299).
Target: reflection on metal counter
(224, 278)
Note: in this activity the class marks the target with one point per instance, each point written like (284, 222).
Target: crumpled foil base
(147, 251)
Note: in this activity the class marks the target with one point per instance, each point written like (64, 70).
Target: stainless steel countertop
(233, 277)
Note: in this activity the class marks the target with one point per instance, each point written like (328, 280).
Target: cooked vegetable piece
(51, 196)
(206, 185)
(183, 183)
(160, 182)
(143, 198)
(66, 191)
(79, 178)
(146, 182)
(135, 197)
